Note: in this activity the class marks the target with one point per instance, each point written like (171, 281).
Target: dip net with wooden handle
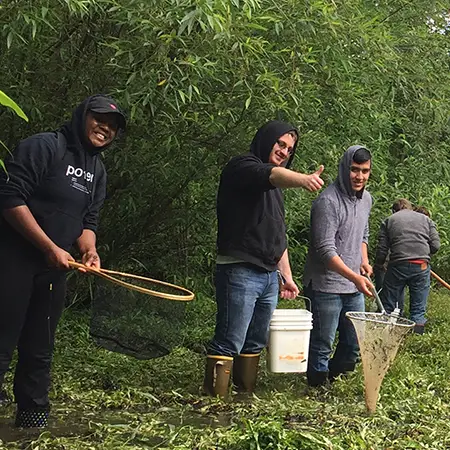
(134, 314)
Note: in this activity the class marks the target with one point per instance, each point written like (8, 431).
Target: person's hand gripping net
(364, 285)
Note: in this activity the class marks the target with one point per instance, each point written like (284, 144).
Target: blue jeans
(246, 298)
(328, 312)
(417, 279)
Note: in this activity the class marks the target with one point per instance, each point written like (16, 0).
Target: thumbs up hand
(313, 182)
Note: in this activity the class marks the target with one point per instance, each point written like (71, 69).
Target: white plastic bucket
(290, 330)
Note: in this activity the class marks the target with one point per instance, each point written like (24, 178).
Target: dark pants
(31, 303)
(417, 278)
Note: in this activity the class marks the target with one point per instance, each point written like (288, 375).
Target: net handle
(106, 274)
(438, 278)
(377, 297)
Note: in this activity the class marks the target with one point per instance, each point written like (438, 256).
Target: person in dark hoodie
(251, 247)
(336, 265)
(50, 199)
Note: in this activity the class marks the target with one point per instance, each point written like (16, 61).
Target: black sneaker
(32, 418)
(419, 329)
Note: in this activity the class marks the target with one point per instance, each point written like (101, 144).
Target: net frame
(107, 275)
(380, 318)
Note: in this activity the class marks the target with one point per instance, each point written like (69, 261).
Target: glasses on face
(283, 146)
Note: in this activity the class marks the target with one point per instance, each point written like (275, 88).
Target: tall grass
(104, 400)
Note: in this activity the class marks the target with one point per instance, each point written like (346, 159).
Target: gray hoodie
(339, 226)
(407, 235)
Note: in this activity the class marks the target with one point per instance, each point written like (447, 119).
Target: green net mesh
(133, 323)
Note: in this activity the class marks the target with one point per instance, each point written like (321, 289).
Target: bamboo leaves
(10, 103)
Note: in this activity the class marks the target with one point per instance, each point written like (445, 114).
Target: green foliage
(10, 103)
(103, 400)
(198, 77)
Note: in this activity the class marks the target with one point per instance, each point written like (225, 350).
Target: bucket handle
(282, 280)
(307, 301)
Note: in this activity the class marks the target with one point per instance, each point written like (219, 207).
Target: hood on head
(266, 137)
(75, 130)
(344, 171)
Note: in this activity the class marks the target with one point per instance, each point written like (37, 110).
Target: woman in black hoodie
(50, 198)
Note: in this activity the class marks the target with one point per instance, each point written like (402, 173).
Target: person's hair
(294, 135)
(422, 210)
(400, 204)
(362, 155)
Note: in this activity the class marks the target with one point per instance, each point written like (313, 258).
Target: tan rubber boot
(245, 372)
(217, 375)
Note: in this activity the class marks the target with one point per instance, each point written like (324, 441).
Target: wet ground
(66, 422)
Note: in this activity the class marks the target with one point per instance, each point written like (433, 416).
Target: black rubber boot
(32, 418)
(217, 375)
(316, 379)
(245, 372)
(342, 369)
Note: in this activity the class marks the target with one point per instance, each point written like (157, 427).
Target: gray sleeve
(383, 244)
(366, 228)
(324, 226)
(435, 242)
(366, 233)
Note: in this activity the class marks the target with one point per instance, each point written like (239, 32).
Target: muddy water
(61, 423)
(72, 423)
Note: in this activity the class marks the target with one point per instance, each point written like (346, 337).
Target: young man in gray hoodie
(410, 238)
(336, 264)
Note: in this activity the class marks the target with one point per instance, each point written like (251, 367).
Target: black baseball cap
(103, 104)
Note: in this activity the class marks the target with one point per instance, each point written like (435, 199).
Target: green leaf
(182, 95)
(10, 103)
(9, 39)
(34, 28)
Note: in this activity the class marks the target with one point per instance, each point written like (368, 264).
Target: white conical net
(379, 338)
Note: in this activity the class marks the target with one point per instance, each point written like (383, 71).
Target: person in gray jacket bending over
(336, 265)
(410, 238)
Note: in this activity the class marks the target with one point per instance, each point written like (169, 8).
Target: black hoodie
(250, 210)
(63, 185)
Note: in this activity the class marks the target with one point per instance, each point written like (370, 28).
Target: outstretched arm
(281, 177)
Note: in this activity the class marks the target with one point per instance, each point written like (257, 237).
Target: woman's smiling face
(101, 129)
